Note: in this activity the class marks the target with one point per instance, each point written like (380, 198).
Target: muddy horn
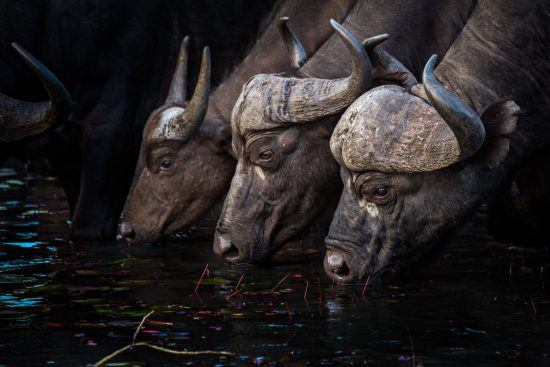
(183, 125)
(312, 99)
(19, 119)
(465, 123)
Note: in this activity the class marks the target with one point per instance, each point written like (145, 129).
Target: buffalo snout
(126, 233)
(342, 266)
(227, 250)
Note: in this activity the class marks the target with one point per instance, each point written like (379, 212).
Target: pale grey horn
(187, 122)
(295, 49)
(465, 123)
(312, 99)
(177, 92)
(19, 119)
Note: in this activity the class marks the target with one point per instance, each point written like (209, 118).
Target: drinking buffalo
(181, 176)
(286, 178)
(116, 58)
(414, 164)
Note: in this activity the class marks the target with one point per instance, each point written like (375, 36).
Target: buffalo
(116, 58)
(286, 178)
(180, 177)
(416, 161)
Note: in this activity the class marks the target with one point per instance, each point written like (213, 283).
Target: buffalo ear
(218, 135)
(500, 121)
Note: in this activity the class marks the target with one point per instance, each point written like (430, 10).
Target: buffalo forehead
(248, 112)
(393, 131)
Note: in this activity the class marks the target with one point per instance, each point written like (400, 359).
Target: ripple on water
(12, 301)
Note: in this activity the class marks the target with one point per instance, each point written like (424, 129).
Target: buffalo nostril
(335, 261)
(338, 265)
(126, 231)
(223, 245)
(231, 254)
(224, 248)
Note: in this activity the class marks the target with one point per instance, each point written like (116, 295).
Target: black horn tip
(346, 36)
(374, 41)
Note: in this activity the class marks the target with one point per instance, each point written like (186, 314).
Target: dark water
(481, 303)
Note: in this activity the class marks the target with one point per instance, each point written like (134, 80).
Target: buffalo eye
(381, 191)
(266, 156)
(166, 164)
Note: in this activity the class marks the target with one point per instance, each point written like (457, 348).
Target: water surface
(480, 302)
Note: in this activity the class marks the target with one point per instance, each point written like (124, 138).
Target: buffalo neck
(502, 54)
(499, 55)
(417, 28)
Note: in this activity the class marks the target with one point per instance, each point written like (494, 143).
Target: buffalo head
(410, 165)
(285, 176)
(172, 174)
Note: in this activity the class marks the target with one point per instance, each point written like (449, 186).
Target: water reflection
(482, 302)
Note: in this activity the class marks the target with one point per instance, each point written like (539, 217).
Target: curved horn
(465, 123)
(177, 92)
(385, 66)
(312, 99)
(19, 119)
(182, 126)
(370, 43)
(295, 49)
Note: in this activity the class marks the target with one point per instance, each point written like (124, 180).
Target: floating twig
(291, 337)
(365, 287)
(233, 294)
(201, 278)
(278, 284)
(533, 304)
(239, 282)
(305, 292)
(412, 348)
(160, 349)
(141, 324)
(155, 347)
(288, 312)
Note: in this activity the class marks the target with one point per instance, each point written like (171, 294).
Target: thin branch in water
(533, 304)
(412, 348)
(239, 282)
(201, 278)
(366, 285)
(155, 347)
(291, 337)
(233, 294)
(103, 361)
(305, 292)
(288, 312)
(278, 284)
(141, 324)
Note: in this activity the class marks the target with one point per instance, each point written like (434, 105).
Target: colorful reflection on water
(479, 302)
